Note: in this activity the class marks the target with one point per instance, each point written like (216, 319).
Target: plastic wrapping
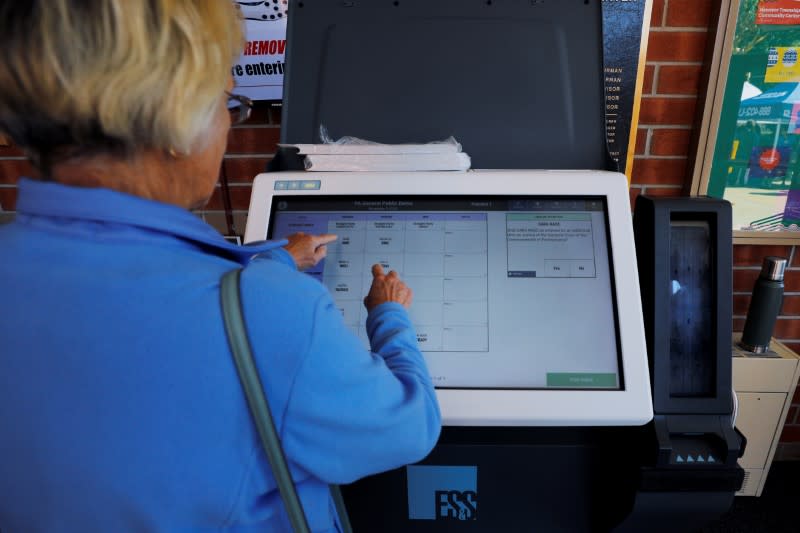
(352, 154)
(355, 141)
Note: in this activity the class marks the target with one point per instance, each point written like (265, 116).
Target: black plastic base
(552, 480)
(675, 512)
(549, 479)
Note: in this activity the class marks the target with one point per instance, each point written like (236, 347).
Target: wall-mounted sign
(778, 12)
(751, 156)
(259, 72)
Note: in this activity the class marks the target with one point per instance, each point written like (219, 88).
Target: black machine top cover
(518, 83)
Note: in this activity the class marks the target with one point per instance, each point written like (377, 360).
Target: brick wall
(676, 51)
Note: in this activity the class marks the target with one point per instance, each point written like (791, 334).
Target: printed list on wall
(625, 27)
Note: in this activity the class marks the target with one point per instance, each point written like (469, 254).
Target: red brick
(792, 416)
(685, 13)
(253, 140)
(791, 305)
(240, 198)
(743, 280)
(634, 192)
(12, 169)
(787, 328)
(740, 304)
(659, 171)
(243, 170)
(676, 46)
(275, 114)
(260, 115)
(796, 397)
(738, 325)
(753, 255)
(641, 141)
(679, 79)
(8, 198)
(657, 16)
(649, 74)
(791, 281)
(793, 346)
(670, 142)
(667, 111)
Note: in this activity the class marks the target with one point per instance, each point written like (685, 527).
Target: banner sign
(778, 12)
(258, 73)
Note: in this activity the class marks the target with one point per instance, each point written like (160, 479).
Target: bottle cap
(773, 268)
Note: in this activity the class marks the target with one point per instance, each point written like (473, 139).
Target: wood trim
(718, 75)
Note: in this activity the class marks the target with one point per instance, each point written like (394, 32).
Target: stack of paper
(382, 157)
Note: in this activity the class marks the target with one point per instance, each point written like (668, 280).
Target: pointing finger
(377, 270)
(325, 238)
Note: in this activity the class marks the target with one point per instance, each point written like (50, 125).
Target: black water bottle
(765, 305)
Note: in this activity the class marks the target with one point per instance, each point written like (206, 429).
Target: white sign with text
(259, 71)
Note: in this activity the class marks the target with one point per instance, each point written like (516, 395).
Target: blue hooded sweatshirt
(120, 407)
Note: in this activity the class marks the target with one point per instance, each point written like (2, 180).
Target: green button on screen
(581, 381)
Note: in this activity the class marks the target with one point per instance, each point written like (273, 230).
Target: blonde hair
(98, 76)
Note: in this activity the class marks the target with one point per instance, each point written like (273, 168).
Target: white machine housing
(627, 406)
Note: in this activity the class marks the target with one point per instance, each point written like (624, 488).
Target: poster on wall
(258, 73)
(755, 163)
(625, 31)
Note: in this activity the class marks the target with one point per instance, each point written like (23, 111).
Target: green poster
(756, 162)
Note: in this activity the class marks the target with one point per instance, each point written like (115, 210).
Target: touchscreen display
(509, 293)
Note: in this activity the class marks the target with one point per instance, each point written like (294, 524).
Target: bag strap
(251, 383)
(259, 409)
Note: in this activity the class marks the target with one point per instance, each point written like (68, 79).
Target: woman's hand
(308, 250)
(387, 288)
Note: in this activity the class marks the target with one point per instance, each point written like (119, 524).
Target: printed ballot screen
(509, 292)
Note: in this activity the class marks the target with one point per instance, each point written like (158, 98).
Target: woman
(120, 407)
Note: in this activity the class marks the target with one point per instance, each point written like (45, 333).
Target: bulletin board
(750, 137)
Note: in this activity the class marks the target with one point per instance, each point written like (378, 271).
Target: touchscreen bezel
(631, 405)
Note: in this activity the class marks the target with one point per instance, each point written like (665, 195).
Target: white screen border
(493, 407)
